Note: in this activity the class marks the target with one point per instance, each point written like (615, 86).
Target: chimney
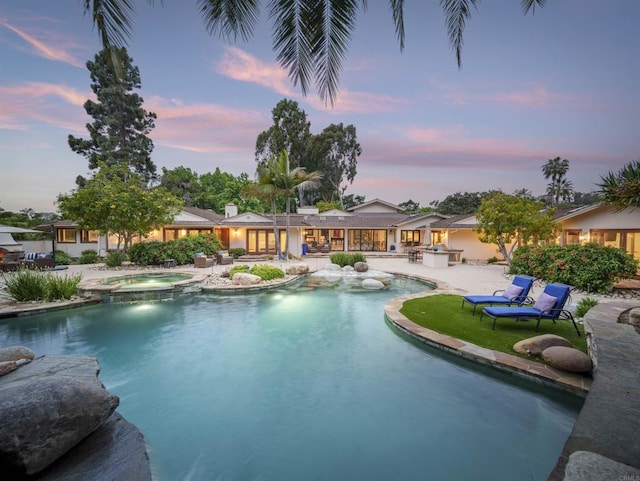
(230, 210)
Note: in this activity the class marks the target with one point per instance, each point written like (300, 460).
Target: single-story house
(375, 226)
(597, 223)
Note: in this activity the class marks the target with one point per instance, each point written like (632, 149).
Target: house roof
(564, 214)
(461, 221)
(373, 202)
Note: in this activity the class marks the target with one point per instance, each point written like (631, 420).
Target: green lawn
(442, 313)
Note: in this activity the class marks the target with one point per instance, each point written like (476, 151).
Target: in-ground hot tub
(144, 286)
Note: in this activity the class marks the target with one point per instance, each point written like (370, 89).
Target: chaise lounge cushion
(545, 302)
(512, 291)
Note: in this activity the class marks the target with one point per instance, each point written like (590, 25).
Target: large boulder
(245, 279)
(361, 267)
(534, 346)
(332, 267)
(634, 317)
(13, 353)
(567, 359)
(116, 450)
(296, 269)
(49, 406)
(372, 284)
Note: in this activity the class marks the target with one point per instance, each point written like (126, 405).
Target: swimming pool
(147, 281)
(304, 383)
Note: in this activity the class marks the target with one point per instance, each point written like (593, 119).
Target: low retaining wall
(606, 435)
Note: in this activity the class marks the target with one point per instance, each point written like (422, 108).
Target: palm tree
(622, 189)
(310, 37)
(560, 187)
(289, 180)
(265, 188)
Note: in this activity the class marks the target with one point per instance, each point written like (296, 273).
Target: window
(66, 236)
(262, 241)
(88, 236)
(571, 237)
(410, 236)
(368, 240)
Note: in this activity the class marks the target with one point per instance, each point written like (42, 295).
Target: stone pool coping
(96, 285)
(527, 368)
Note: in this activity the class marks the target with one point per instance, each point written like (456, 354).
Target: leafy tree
(289, 132)
(310, 37)
(510, 221)
(352, 200)
(324, 206)
(334, 152)
(622, 189)
(410, 207)
(117, 201)
(119, 132)
(559, 188)
(524, 193)
(212, 190)
(585, 198)
(458, 203)
(182, 182)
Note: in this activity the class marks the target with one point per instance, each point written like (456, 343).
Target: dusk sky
(561, 82)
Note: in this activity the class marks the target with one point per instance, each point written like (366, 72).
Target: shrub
(115, 258)
(62, 258)
(347, 258)
(238, 268)
(26, 285)
(58, 287)
(589, 267)
(237, 252)
(266, 272)
(584, 305)
(492, 260)
(181, 250)
(88, 256)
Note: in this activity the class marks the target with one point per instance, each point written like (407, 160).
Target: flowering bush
(590, 267)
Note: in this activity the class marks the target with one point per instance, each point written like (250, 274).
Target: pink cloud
(204, 127)
(37, 101)
(48, 48)
(239, 65)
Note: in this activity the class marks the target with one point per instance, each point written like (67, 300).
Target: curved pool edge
(508, 363)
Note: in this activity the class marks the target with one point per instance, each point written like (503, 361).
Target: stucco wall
(467, 241)
(604, 217)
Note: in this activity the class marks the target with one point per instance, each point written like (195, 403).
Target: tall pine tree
(118, 135)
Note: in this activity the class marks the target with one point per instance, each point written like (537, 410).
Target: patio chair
(517, 293)
(223, 257)
(549, 305)
(202, 261)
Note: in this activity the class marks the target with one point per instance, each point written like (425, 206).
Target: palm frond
(292, 34)
(112, 19)
(397, 10)
(456, 13)
(334, 22)
(531, 5)
(230, 19)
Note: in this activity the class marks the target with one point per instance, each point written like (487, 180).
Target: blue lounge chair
(517, 293)
(549, 305)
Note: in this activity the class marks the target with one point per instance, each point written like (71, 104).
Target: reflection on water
(303, 383)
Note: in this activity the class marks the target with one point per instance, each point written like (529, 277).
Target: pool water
(146, 281)
(304, 383)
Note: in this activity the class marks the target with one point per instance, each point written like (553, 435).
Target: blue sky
(562, 82)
